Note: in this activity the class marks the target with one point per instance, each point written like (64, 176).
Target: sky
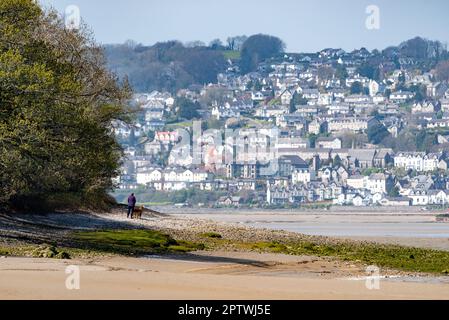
(304, 25)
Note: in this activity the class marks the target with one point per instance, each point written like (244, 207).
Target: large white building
(171, 175)
(357, 182)
(328, 143)
(302, 176)
(354, 124)
(151, 175)
(375, 183)
(378, 183)
(419, 161)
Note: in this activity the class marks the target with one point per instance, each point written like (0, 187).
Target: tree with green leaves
(186, 108)
(394, 192)
(337, 162)
(369, 71)
(58, 105)
(425, 140)
(296, 100)
(258, 48)
(341, 73)
(312, 139)
(401, 82)
(377, 132)
(420, 92)
(357, 88)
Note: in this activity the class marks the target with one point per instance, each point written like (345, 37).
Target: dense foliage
(187, 109)
(377, 133)
(57, 105)
(258, 48)
(167, 66)
(357, 88)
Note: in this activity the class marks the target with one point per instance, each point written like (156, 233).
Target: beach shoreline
(333, 210)
(155, 279)
(212, 274)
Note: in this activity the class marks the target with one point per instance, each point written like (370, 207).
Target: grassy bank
(387, 256)
(105, 243)
(394, 257)
(134, 242)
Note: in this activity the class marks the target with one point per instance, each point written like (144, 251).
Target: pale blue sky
(305, 25)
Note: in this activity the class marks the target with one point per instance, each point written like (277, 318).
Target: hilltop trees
(419, 48)
(236, 43)
(171, 66)
(257, 48)
(167, 66)
(57, 106)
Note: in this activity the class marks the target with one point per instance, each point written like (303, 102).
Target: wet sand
(216, 275)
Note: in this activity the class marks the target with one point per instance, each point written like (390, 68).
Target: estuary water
(351, 225)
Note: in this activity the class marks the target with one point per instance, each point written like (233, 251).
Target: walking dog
(137, 214)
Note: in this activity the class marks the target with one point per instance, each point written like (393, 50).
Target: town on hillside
(341, 128)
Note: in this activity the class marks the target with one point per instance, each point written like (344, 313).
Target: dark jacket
(132, 201)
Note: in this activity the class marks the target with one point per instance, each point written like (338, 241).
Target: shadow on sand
(192, 257)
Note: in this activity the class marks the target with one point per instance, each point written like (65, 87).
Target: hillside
(167, 66)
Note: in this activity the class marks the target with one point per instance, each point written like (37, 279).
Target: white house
(419, 197)
(302, 176)
(257, 96)
(377, 183)
(423, 107)
(401, 96)
(151, 175)
(357, 182)
(328, 143)
(286, 97)
(170, 186)
(325, 99)
(355, 124)
(359, 201)
(378, 98)
(311, 94)
(438, 197)
(166, 137)
(373, 88)
(419, 161)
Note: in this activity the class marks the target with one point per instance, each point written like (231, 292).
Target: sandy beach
(228, 274)
(215, 276)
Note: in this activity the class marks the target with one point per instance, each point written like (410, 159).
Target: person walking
(131, 205)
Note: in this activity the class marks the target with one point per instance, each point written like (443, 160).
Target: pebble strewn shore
(57, 227)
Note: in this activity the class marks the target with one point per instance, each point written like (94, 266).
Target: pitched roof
(362, 154)
(327, 139)
(294, 160)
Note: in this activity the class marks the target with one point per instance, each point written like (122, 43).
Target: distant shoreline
(333, 211)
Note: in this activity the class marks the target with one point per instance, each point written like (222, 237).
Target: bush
(49, 252)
